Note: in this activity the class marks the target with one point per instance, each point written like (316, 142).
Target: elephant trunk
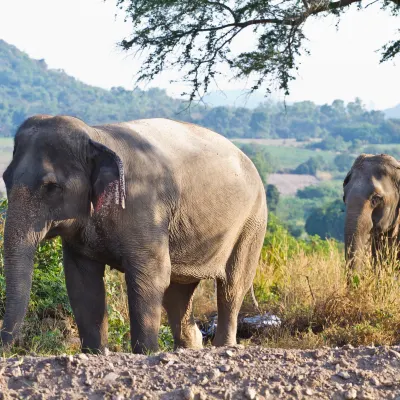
(20, 243)
(358, 227)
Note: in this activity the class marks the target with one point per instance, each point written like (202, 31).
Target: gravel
(213, 373)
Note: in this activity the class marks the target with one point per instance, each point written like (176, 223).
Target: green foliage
(196, 37)
(28, 87)
(310, 167)
(279, 241)
(261, 158)
(165, 338)
(344, 161)
(317, 192)
(327, 221)
(273, 195)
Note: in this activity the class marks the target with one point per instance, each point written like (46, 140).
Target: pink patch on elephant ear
(109, 196)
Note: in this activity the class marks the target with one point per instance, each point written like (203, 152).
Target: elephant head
(56, 172)
(372, 197)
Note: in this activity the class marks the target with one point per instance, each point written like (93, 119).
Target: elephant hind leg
(240, 271)
(178, 302)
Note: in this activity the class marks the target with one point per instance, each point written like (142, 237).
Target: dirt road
(224, 373)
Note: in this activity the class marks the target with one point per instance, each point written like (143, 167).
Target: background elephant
(372, 197)
(167, 203)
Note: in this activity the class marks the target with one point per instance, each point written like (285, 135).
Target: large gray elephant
(372, 197)
(165, 202)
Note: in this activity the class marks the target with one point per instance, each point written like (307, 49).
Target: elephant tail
(253, 297)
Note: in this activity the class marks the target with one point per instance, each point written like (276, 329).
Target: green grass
(291, 157)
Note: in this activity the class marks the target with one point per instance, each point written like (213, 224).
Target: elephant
(167, 203)
(372, 198)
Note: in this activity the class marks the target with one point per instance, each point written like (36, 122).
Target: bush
(327, 221)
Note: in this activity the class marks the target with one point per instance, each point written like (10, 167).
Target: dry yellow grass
(309, 292)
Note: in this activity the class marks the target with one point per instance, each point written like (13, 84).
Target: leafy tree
(196, 36)
(344, 162)
(262, 160)
(317, 192)
(309, 167)
(272, 197)
(327, 221)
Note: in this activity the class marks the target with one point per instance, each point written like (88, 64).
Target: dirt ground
(222, 373)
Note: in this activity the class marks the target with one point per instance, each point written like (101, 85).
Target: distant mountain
(29, 87)
(393, 112)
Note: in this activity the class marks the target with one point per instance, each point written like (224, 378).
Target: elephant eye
(376, 199)
(52, 188)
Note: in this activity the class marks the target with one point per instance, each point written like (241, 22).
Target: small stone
(309, 392)
(70, 358)
(289, 356)
(83, 356)
(111, 377)
(166, 358)
(318, 354)
(188, 394)
(16, 372)
(343, 374)
(350, 394)
(230, 353)
(394, 353)
(106, 352)
(375, 381)
(250, 393)
(224, 368)
(288, 388)
(366, 395)
(215, 373)
(88, 382)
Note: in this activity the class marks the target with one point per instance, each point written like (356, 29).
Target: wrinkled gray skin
(372, 197)
(195, 209)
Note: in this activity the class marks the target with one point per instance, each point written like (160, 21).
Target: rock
(106, 352)
(16, 372)
(230, 353)
(188, 394)
(83, 356)
(375, 381)
(309, 392)
(215, 373)
(166, 358)
(366, 395)
(394, 353)
(224, 368)
(318, 354)
(111, 377)
(343, 374)
(250, 393)
(350, 394)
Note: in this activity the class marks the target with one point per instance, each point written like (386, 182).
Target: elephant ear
(107, 177)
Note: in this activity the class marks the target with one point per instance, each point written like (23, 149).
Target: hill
(393, 112)
(29, 87)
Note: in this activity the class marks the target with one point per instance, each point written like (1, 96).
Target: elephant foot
(191, 338)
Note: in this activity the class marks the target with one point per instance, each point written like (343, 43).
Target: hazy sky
(80, 37)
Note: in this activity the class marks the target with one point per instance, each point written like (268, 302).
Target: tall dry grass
(309, 292)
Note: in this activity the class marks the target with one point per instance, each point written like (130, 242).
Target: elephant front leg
(146, 287)
(87, 295)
